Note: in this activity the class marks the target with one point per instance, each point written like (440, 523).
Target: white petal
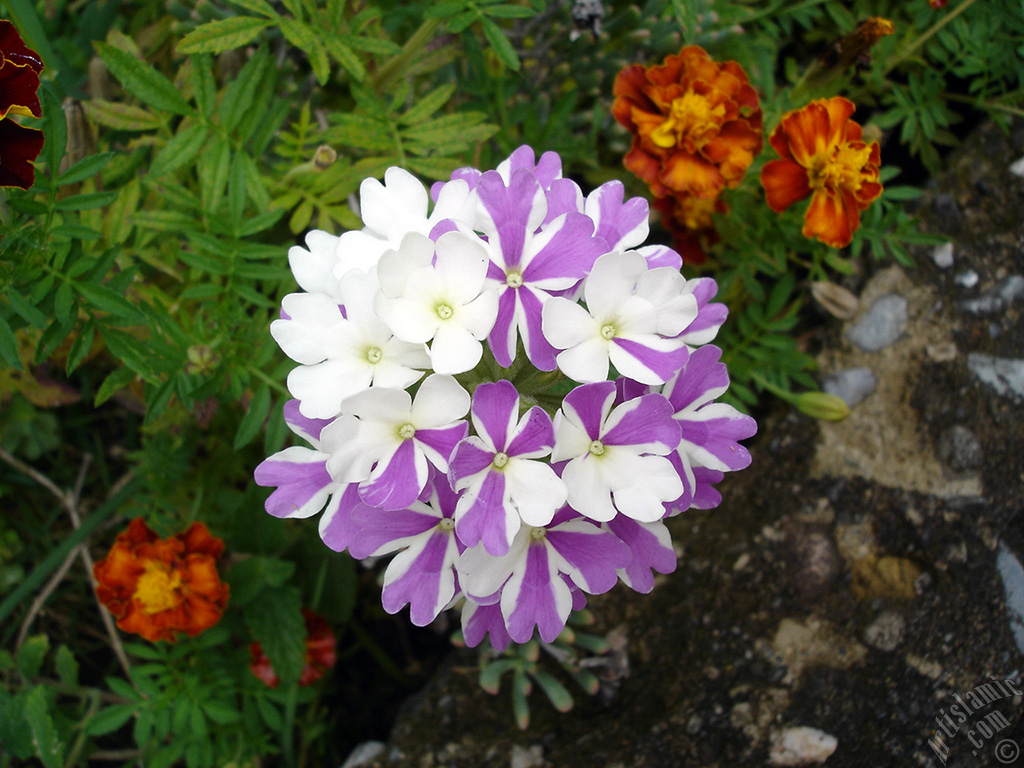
(395, 266)
(439, 402)
(358, 250)
(588, 490)
(321, 388)
(409, 320)
(586, 362)
(611, 282)
(535, 489)
(454, 349)
(462, 264)
(478, 316)
(395, 207)
(571, 440)
(565, 323)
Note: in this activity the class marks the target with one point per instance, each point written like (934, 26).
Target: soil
(848, 581)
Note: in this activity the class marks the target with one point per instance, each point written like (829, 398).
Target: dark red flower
(19, 82)
(321, 653)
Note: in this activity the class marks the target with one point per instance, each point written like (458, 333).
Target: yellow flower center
(691, 116)
(159, 588)
(844, 168)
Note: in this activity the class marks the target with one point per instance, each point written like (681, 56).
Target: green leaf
(143, 81)
(344, 55)
(505, 11)
(214, 164)
(66, 665)
(115, 382)
(221, 713)
(256, 6)
(224, 35)
(55, 128)
(9, 346)
(85, 168)
(81, 347)
(270, 714)
(29, 314)
(203, 84)
(107, 300)
(557, 693)
(428, 105)
(121, 117)
(25, 18)
(277, 625)
(490, 675)
(44, 735)
(237, 190)
(109, 720)
(29, 658)
(169, 755)
(86, 201)
(250, 577)
(500, 44)
(181, 149)
(253, 419)
(305, 39)
(240, 95)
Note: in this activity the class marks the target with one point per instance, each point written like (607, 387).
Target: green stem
(275, 385)
(990, 105)
(393, 68)
(946, 19)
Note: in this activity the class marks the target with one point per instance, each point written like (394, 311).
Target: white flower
(444, 302)
(342, 355)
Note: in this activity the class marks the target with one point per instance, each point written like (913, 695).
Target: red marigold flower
(160, 587)
(696, 123)
(19, 80)
(825, 158)
(321, 653)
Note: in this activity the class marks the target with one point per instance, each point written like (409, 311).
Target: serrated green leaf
(214, 165)
(121, 117)
(14, 735)
(44, 735)
(63, 302)
(169, 755)
(84, 168)
(240, 94)
(221, 713)
(55, 128)
(250, 577)
(9, 346)
(75, 232)
(428, 105)
(109, 719)
(29, 658)
(444, 9)
(105, 299)
(86, 201)
(256, 6)
(223, 35)
(307, 40)
(344, 55)
(237, 192)
(277, 625)
(28, 313)
(253, 419)
(500, 44)
(376, 45)
(81, 347)
(181, 149)
(143, 81)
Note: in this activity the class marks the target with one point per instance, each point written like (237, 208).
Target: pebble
(363, 754)
(1004, 375)
(851, 385)
(943, 255)
(959, 448)
(533, 757)
(886, 632)
(968, 278)
(801, 745)
(997, 298)
(881, 325)
(1017, 167)
(1012, 573)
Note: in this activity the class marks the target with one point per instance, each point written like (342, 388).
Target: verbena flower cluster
(509, 391)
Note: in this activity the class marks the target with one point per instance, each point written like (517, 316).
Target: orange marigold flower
(321, 653)
(856, 46)
(19, 80)
(160, 587)
(824, 158)
(696, 123)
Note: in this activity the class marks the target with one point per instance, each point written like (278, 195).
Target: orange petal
(687, 173)
(199, 540)
(785, 182)
(831, 218)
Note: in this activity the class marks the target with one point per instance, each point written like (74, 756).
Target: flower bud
(324, 157)
(821, 405)
(201, 359)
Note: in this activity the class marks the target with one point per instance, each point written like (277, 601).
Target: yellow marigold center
(159, 588)
(691, 116)
(844, 168)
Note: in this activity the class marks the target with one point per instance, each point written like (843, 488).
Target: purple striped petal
(651, 549)
(565, 251)
(594, 556)
(535, 597)
(421, 577)
(710, 316)
(495, 411)
(646, 363)
(538, 348)
(302, 481)
(547, 169)
(470, 456)
(306, 428)
(621, 224)
(644, 421)
(484, 517)
(438, 444)
(397, 483)
(337, 528)
(563, 196)
(591, 404)
(700, 381)
(661, 256)
(502, 338)
(705, 495)
(381, 530)
(480, 620)
(534, 435)
(713, 432)
(515, 211)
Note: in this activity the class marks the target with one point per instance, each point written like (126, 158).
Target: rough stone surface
(718, 658)
(960, 449)
(886, 632)
(882, 324)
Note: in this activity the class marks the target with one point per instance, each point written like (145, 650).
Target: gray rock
(997, 298)
(1004, 375)
(881, 325)
(968, 278)
(943, 255)
(363, 754)
(959, 448)
(1012, 573)
(852, 385)
(886, 632)
(532, 757)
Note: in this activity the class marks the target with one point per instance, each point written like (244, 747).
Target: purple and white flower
(517, 283)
